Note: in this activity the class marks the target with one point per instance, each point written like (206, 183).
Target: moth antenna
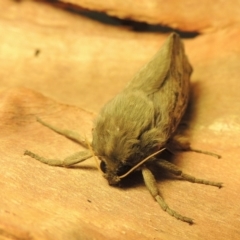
(140, 163)
(93, 154)
(205, 152)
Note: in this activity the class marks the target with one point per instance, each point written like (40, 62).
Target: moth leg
(181, 143)
(178, 172)
(67, 133)
(66, 162)
(151, 184)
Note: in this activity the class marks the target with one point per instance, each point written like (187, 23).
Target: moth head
(117, 154)
(113, 171)
(114, 174)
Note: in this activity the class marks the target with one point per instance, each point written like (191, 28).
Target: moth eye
(103, 166)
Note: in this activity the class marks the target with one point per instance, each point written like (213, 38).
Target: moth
(136, 126)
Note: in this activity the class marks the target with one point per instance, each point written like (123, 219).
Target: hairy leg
(151, 184)
(180, 143)
(67, 133)
(172, 168)
(66, 162)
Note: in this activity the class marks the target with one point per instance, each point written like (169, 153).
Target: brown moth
(134, 127)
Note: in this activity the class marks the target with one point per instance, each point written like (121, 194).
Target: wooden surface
(48, 53)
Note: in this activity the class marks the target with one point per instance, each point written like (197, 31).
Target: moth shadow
(194, 98)
(136, 179)
(85, 167)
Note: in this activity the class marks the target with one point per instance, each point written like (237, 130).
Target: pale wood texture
(81, 62)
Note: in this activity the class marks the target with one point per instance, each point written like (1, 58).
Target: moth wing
(152, 75)
(171, 99)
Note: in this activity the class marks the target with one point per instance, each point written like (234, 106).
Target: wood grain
(50, 60)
